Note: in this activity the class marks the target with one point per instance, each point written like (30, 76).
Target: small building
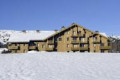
(74, 38)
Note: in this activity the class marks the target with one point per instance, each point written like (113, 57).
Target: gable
(76, 25)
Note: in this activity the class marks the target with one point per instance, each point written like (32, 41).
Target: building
(74, 38)
(115, 43)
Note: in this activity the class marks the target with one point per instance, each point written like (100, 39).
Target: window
(102, 44)
(60, 39)
(67, 38)
(74, 38)
(43, 46)
(31, 43)
(82, 39)
(67, 45)
(102, 51)
(94, 38)
(50, 46)
(81, 45)
(94, 45)
(75, 45)
(67, 32)
(79, 32)
(74, 32)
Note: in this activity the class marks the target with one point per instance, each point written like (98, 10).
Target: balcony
(49, 49)
(76, 35)
(75, 48)
(106, 47)
(97, 41)
(84, 48)
(75, 42)
(79, 48)
(13, 47)
(50, 42)
(32, 47)
(85, 42)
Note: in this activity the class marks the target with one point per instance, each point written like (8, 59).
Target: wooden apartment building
(74, 38)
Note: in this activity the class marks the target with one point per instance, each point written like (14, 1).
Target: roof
(26, 36)
(29, 35)
(73, 25)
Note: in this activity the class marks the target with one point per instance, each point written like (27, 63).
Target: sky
(100, 15)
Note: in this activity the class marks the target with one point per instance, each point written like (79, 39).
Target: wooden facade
(73, 38)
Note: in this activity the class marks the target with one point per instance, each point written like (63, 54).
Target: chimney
(56, 31)
(73, 23)
(24, 31)
(96, 32)
(38, 31)
(63, 28)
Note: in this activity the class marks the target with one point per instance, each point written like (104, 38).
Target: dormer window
(60, 39)
(74, 32)
(79, 32)
(94, 38)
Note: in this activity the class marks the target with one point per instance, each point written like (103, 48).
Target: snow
(104, 34)
(19, 36)
(60, 66)
(30, 35)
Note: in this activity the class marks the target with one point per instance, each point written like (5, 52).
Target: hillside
(53, 66)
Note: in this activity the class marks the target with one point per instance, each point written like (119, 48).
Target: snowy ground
(59, 66)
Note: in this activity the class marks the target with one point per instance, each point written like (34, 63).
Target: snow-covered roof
(30, 35)
(104, 34)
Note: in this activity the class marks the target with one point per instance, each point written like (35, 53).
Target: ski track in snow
(53, 66)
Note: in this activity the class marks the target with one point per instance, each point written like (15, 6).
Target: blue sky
(101, 15)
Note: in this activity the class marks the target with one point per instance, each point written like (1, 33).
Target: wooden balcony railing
(96, 41)
(13, 47)
(105, 47)
(75, 41)
(76, 35)
(50, 42)
(78, 41)
(83, 41)
(79, 48)
(49, 49)
(32, 47)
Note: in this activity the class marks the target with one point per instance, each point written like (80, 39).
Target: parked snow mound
(53, 66)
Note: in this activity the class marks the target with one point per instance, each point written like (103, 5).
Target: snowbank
(53, 66)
